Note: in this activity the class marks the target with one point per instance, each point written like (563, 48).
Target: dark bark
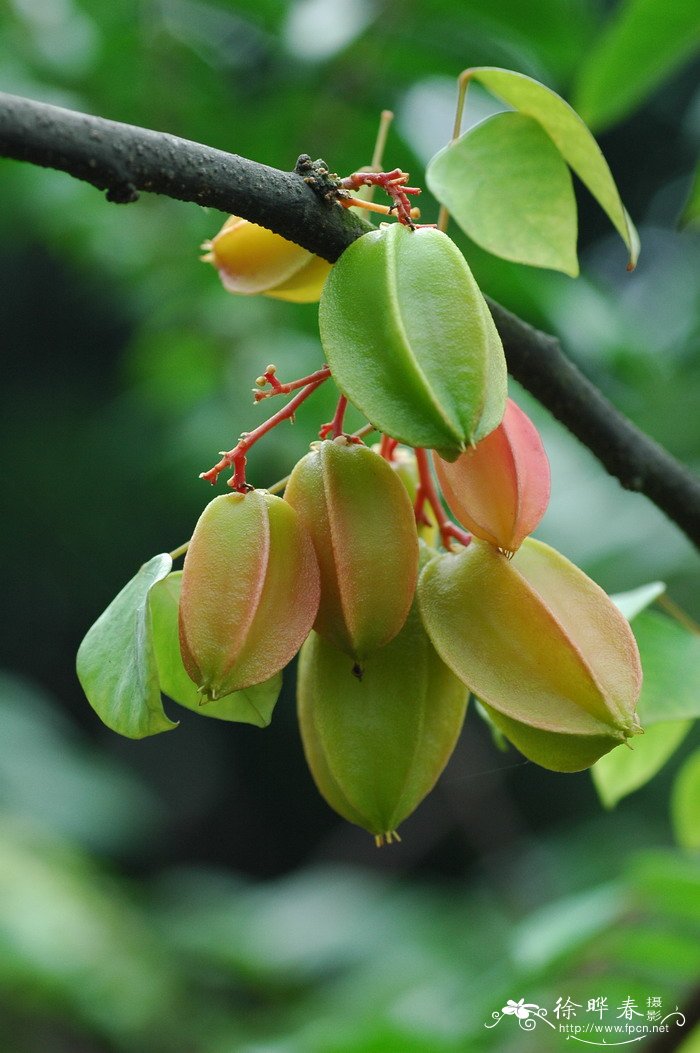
(124, 160)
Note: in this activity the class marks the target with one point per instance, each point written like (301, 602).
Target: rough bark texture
(123, 160)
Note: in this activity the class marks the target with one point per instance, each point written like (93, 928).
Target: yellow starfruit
(539, 643)
(251, 259)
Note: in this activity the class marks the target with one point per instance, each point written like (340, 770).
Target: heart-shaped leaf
(671, 663)
(254, 705)
(509, 189)
(571, 137)
(116, 662)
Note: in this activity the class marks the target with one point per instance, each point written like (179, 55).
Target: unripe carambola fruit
(550, 749)
(250, 592)
(403, 463)
(540, 643)
(253, 705)
(376, 746)
(251, 259)
(410, 339)
(499, 489)
(361, 522)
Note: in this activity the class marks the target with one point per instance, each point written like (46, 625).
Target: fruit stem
(179, 551)
(335, 427)
(679, 614)
(385, 120)
(462, 86)
(236, 457)
(387, 447)
(370, 206)
(426, 491)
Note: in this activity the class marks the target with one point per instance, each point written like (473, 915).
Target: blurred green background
(191, 893)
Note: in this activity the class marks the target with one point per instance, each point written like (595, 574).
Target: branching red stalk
(269, 377)
(236, 458)
(426, 491)
(393, 183)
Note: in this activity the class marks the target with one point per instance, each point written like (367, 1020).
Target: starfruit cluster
(399, 613)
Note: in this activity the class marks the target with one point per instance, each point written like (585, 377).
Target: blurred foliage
(197, 960)
(125, 921)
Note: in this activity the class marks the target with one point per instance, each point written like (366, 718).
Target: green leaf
(642, 44)
(116, 662)
(690, 216)
(671, 664)
(508, 188)
(561, 927)
(667, 885)
(571, 137)
(254, 705)
(685, 803)
(635, 601)
(624, 770)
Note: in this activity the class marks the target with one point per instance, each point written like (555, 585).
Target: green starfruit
(554, 750)
(410, 340)
(538, 643)
(250, 592)
(361, 522)
(376, 746)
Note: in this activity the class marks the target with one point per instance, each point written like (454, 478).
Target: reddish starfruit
(361, 522)
(376, 746)
(410, 339)
(251, 259)
(250, 592)
(499, 489)
(254, 705)
(541, 644)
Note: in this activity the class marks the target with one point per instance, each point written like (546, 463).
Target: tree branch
(123, 160)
